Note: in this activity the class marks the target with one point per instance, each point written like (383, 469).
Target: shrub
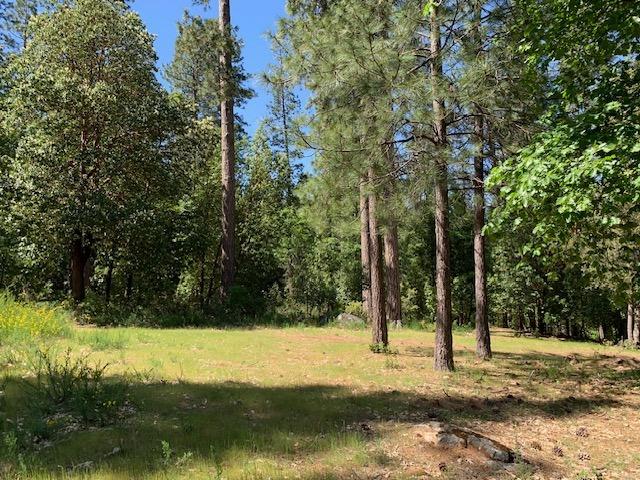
(68, 386)
(24, 321)
(382, 348)
(356, 309)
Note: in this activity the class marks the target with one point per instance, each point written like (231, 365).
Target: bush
(382, 348)
(72, 387)
(356, 309)
(94, 311)
(23, 321)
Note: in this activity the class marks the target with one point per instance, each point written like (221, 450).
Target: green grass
(290, 403)
(101, 340)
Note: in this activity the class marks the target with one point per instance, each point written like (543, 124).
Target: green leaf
(426, 11)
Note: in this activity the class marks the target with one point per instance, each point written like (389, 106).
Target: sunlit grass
(288, 403)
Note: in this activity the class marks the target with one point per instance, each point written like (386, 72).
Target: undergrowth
(59, 394)
(21, 321)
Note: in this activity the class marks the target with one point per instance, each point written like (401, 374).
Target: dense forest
(474, 163)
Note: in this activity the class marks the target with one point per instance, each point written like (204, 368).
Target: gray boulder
(350, 321)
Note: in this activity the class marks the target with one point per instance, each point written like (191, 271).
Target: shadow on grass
(607, 374)
(237, 423)
(603, 373)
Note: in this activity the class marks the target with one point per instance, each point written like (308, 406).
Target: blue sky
(253, 19)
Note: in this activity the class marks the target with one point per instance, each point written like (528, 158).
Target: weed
(390, 364)
(590, 474)
(20, 322)
(167, 455)
(145, 376)
(523, 470)
(217, 462)
(72, 386)
(382, 348)
(166, 452)
(156, 364)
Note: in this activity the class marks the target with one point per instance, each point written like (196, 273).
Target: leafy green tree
(264, 209)
(92, 123)
(573, 190)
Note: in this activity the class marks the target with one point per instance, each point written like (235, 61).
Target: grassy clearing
(316, 403)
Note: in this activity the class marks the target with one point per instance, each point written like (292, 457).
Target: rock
(445, 436)
(491, 449)
(493, 465)
(350, 321)
(441, 435)
(84, 466)
(115, 451)
(450, 440)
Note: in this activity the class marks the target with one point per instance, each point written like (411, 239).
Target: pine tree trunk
(78, 288)
(392, 271)
(89, 267)
(365, 250)
(391, 250)
(443, 353)
(202, 280)
(378, 318)
(128, 291)
(227, 258)
(630, 320)
(108, 282)
(483, 336)
(636, 325)
(520, 321)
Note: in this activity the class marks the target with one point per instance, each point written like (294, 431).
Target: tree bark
(483, 336)
(391, 250)
(636, 325)
(443, 353)
(630, 320)
(392, 270)
(365, 250)
(378, 318)
(227, 258)
(601, 333)
(78, 287)
(128, 291)
(202, 280)
(108, 282)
